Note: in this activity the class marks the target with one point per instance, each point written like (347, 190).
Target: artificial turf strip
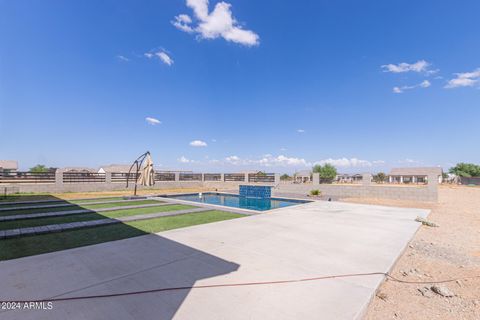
(85, 201)
(80, 206)
(33, 245)
(119, 204)
(6, 225)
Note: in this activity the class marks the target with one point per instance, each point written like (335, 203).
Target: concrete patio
(314, 239)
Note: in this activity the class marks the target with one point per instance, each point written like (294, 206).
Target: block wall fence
(223, 182)
(367, 189)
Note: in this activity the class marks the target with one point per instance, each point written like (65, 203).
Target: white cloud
(300, 130)
(183, 159)
(296, 162)
(122, 58)
(378, 162)
(281, 161)
(268, 161)
(423, 84)
(218, 23)
(152, 121)
(182, 22)
(234, 160)
(419, 66)
(409, 161)
(198, 143)
(162, 55)
(397, 90)
(466, 79)
(349, 163)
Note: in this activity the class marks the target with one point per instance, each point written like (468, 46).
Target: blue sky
(235, 85)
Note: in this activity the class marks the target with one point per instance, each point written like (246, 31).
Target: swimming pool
(235, 201)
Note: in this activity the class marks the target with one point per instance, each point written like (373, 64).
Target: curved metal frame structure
(138, 164)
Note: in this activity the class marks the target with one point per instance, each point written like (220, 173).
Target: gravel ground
(452, 250)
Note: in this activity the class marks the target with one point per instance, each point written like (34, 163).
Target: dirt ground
(451, 250)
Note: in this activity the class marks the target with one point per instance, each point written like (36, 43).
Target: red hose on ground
(238, 285)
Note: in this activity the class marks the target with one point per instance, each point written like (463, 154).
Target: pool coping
(166, 197)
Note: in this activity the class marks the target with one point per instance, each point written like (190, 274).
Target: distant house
(78, 170)
(414, 174)
(303, 176)
(8, 166)
(116, 168)
(348, 178)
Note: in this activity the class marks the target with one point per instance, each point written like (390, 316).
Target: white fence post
(316, 178)
(367, 179)
(59, 177)
(277, 178)
(432, 182)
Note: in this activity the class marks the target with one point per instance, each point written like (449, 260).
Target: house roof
(9, 164)
(77, 169)
(303, 173)
(117, 168)
(416, 171)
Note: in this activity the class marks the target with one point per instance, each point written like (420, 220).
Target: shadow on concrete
(143, 263)
(135, 264)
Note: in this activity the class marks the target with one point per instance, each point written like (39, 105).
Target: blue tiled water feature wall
(255, 191)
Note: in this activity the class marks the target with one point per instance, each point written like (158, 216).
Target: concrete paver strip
(311, 240)
(80, 211)
(7, 203)
(43, 206)
(68, 204)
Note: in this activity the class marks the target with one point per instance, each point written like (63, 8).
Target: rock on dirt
(443, 291)
(426, 292)
(426, 222)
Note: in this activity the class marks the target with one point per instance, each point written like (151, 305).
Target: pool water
(235, 201)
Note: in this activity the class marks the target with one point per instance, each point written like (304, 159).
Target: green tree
(285, 177)
(466, 170)
(39, 168)
(380, 177)
(327, 172)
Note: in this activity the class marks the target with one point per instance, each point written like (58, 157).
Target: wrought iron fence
(27, 177)
(164, 176)
(234, 177)
(190, 177)
(212, 177)
(261, 177)
(470, 181)
(123, 177)
(83, 177)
